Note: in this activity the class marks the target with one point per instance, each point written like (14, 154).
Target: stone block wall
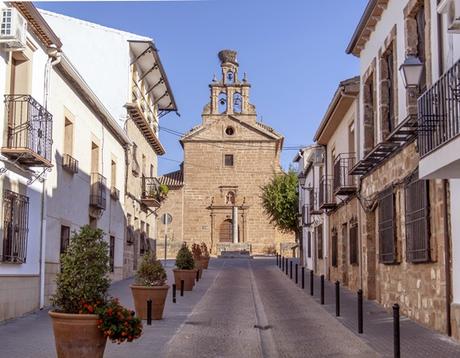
(346, 273)
(419, 288)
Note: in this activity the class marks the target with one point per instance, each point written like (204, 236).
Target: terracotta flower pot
(77, 335)
(187, 275)
(141, 294)
(205, 262)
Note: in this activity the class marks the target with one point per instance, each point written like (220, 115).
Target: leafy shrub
(184, 258)
(116, 322)
(196, 252)
(150, 271)
(204, 250)
(84, 272)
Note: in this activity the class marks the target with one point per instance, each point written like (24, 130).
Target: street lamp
(411, 71)
(302, 179)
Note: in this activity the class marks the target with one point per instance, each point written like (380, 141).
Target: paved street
(241, 308)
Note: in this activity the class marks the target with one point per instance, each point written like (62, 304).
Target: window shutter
(334, 247)
(417, 220)
(309, 244)
(319, 236)
(387, 227)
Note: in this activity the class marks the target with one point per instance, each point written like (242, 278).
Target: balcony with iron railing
(344, 182)
(98, 196)
(151, 195)
(439, 112)
(313, 202)
(29, 136)
(326, 196)
(70, 164)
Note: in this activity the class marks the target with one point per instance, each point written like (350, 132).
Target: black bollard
(197, 275)
(182, 287)
(282, 264)
(322, 289)
(337, 298)
(174, 293)
(149, 312)
(287, 267)
(396, 333)
(303, 277)
(311, 283)
(296, 274)
(360, 311)
(290, 270)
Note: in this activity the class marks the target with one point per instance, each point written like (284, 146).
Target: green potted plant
(150, 284)
(82, 310)
(197, 258)
(205, 255)
(185, 268)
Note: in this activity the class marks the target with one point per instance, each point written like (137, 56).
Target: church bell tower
(229, 94)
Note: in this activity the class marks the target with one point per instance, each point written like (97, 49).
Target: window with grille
(334, 247)
(417, 220)
(228, 160)
(65, 238)
(309, 244)
(354, 244)
(386, 212)
(112, 253)
(319, 239)
(15, 227)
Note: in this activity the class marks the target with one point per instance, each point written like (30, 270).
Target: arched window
(222, 102)
(230, 198)
(237, 103)
(230, 78)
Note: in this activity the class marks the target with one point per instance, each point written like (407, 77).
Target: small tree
(84, 272)
(280, 199)
(150, 271)
(184, 258)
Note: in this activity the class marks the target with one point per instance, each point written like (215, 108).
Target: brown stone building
(215, 197)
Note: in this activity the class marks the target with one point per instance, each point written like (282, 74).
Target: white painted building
(126, 73)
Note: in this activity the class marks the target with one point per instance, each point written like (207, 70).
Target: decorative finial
(228, 56)
(245, 77)
(214, 79)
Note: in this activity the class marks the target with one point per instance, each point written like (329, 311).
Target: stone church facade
(215, 196)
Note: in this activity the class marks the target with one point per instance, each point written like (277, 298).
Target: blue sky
(292, 50)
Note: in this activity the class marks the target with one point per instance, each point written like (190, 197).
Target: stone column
(235, 224)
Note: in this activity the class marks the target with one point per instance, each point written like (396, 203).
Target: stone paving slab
(416, 340)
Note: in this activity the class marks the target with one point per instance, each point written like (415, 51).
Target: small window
(112, 253)
(319, 239)
(228, 160)
(387, 230)
(65, 238)
(354, 244)
(334, 247)
(229, 130)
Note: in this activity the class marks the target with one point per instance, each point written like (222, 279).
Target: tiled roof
(173, 180)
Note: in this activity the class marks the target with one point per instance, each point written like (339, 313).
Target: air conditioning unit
(13, 30)
(451, 8)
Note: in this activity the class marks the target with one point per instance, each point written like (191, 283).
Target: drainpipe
(54, 57)
(447, 257)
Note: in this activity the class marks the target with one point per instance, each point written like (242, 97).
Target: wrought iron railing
(326, 196)
(344, 182)
(69, 163)
(150, 188)
(439, 112)
(98, 196)
(30, 125)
